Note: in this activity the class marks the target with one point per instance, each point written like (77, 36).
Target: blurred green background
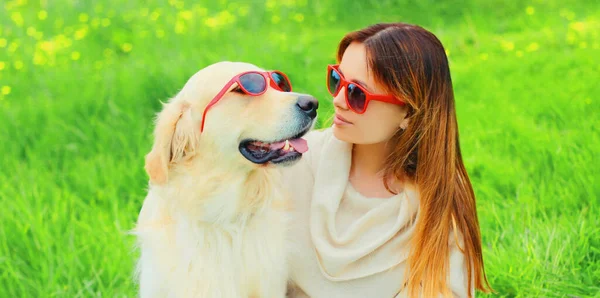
(80, 82)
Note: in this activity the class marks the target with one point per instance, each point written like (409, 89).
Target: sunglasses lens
(281, 81)
(253, 83)
(333, 82)
(356, 98)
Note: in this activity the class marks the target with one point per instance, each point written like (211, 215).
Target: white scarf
(377, 241)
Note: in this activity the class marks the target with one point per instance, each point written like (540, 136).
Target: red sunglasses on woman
(253, 83)
(357, 97)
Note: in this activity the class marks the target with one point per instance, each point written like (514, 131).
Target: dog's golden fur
(213, 224)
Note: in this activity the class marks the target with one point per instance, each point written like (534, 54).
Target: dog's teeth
(287, 145)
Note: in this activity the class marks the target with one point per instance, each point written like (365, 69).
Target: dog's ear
(175, 138)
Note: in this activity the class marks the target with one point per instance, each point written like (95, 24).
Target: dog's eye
(238, 89)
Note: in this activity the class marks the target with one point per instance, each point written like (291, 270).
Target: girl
(383, 205)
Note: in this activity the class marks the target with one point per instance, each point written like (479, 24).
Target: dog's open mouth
(276, 152)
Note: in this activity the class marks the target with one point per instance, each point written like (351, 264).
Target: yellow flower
(3, 42)
(83, 17)
(2, 65)
(5, 90)
(47, 46)
(63, 41)
(75, 55)
(211, 22)
(17, 18)
(126, 47)
(154, 15)
(508, 45)
(95, 22)
(31, 31)
(530, 10)
(38, 58)
(186, 15)
(18, 64)
(42, 15)
(81, 33)
(179, 27)
(577, 26)
(222, 18)
(13, 47)
(299, 17)
(532, 47)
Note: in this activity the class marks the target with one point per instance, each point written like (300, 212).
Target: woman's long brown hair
(410, 63)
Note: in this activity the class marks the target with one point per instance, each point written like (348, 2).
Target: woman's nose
(339, 100)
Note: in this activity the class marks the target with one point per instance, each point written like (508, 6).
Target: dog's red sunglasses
(357, 97)
(253, 83)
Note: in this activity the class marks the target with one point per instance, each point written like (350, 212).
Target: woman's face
(380, 121)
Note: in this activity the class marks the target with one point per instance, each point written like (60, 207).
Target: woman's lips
(339, 120)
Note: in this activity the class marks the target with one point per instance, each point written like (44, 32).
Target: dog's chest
(251, 257)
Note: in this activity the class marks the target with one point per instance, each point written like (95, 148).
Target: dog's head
(240, 130)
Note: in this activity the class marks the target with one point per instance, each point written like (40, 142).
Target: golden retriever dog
(213, 223)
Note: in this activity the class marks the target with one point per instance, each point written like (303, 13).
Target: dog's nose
(308, 105)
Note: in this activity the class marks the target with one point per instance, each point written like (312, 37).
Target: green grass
(77, 102)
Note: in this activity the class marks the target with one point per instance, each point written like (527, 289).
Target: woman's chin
(343, 133)
(352, 135)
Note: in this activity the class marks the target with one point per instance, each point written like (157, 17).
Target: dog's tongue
(299, 144)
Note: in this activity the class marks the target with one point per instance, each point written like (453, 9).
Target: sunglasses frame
(236, 79)
(368, 95)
